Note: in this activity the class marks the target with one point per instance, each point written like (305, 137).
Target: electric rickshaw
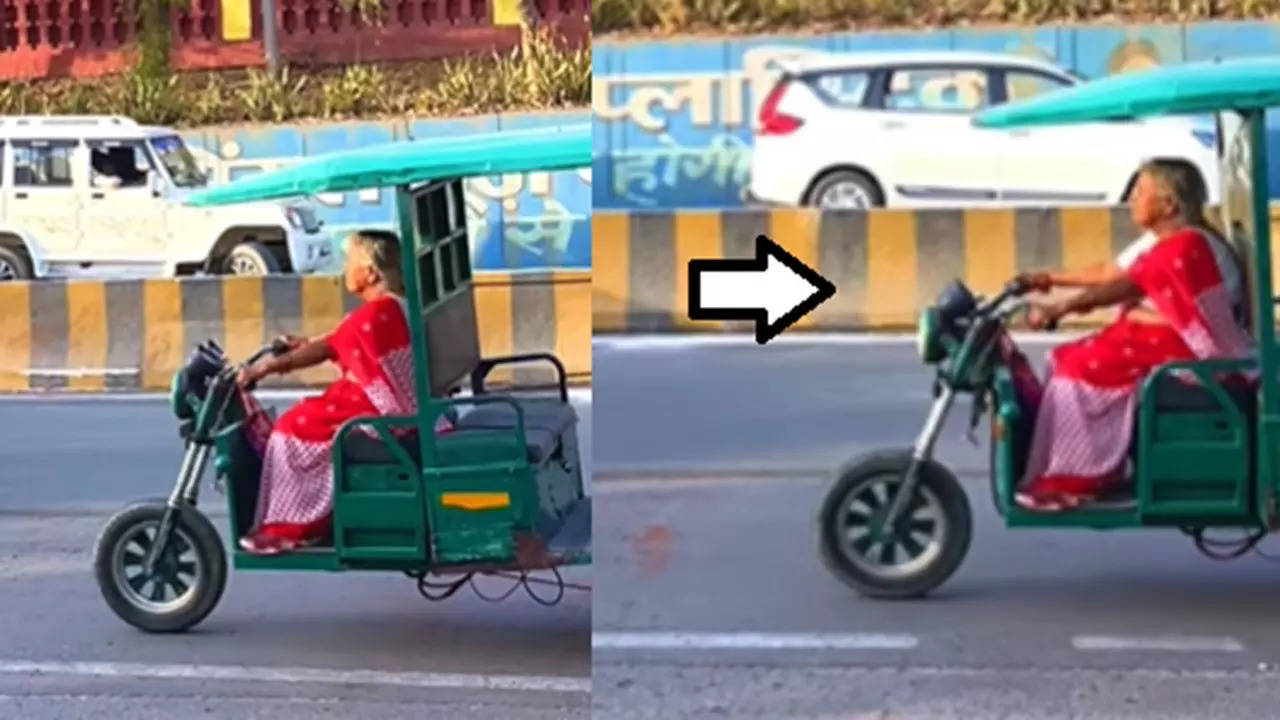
(897, 523)
(502, 493)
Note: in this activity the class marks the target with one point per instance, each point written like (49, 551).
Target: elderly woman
(372, 348)
(1191, 287)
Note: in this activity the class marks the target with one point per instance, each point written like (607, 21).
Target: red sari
(372, 347)
(1085, 421)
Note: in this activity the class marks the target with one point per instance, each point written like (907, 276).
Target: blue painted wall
(672, 120)
(518, 222)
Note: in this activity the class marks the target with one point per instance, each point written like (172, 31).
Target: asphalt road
(711, 602)
(279, 645)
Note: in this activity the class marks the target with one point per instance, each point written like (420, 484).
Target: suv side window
(118, 164)
(840, 88)
(42, 163)
(937, 89)
(1023, 84)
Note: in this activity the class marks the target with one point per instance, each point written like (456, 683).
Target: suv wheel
(845, 190)
(251, 258)
(14, 264)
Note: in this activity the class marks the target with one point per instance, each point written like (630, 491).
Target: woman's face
(1149, 204)
(357, 272)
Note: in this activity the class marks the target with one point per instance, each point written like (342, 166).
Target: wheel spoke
(157, 591)
(132, 558)
(886, 552)
(862, 545)
(912, 547)
(187, 568)
(144, 540)
(853, 517)
(924, 525)
(139, 581)
(868, 498)
(179, 587)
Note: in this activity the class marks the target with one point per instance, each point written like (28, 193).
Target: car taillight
(773, 122)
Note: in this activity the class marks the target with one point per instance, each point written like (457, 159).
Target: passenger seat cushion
(544, 422)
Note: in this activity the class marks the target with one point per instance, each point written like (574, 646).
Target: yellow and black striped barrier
(886, 264)
(133, 334)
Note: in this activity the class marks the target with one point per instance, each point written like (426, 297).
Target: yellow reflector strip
(475, 500)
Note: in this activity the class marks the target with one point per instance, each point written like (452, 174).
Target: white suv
(862, 130)
(103, 196)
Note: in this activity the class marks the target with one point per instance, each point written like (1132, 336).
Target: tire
(14, 264)
(251, 259)
(938, 491)
(198, 546)
(859, 190)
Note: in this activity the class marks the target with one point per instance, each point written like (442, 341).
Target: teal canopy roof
(1187, 89)
(406, 163)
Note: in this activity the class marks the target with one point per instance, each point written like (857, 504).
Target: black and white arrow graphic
(774, 289)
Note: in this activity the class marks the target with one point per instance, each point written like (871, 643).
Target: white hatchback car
(103, 196)
(863, 130)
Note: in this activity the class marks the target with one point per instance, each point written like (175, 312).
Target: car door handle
(892, 125)
(20, 196)
(97, 196)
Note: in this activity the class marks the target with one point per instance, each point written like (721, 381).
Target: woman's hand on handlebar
(289, 342)
(1043, 317)
(1037, 282)
(251, 374)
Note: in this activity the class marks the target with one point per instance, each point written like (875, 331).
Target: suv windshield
(178, 161)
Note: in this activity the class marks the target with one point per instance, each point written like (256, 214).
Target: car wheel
(845, 190)
(14, 265)
(251, 259)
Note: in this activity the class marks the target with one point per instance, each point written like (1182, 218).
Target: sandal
(262, 545)
(1039, 503)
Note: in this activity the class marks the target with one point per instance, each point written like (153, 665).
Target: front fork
(185, 492)
(921, 454)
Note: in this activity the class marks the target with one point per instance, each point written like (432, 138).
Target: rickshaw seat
(1177, 396)
(544, 423)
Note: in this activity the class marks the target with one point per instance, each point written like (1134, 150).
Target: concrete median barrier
(133, 334)
(886, 264)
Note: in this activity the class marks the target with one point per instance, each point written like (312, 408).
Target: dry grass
(540, 75)
(681, 16)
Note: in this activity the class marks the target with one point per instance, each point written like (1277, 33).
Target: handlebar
(1014, 288)
(276, 347)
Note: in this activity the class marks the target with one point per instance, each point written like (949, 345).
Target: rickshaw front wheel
(186, 581)
(914, 555)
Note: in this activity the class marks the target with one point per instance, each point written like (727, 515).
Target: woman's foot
(1050, 502)
(259, 544)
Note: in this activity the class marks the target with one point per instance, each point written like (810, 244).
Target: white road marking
(692, 341)
(81, 372)
(1164, 643)
(300, 675)
(750, 641)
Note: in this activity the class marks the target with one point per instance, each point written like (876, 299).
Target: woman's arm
(1118, 290)
(1092, 276)
(307, 354)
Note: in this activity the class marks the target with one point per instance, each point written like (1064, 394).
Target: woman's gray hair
(1183, 184)
(383, 247)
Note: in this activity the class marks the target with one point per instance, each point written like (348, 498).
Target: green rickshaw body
(897, 523)
(504, 490)
(1204, 456)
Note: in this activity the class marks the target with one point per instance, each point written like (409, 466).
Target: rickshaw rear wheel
(189, 577)
(927, 543)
